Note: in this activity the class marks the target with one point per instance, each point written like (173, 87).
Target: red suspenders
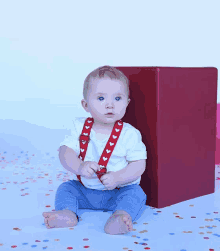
(107, 152)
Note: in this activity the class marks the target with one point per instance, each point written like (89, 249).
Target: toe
(128, 222)
(45, 214)
(46, 223)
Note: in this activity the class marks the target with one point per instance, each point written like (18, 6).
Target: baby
(106, 90)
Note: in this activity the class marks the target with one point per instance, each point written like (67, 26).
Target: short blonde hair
(105, 72)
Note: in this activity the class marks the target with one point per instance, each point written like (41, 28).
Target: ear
(84, 105)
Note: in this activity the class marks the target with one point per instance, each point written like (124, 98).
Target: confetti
(208, 233)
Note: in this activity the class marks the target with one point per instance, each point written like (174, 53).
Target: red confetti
(86, 246)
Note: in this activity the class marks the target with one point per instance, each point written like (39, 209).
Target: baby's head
(114, 86)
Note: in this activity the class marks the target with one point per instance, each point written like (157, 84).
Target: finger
(104, 177)
(91, 170)
(91, 174)
(96, 164)
(95, 168)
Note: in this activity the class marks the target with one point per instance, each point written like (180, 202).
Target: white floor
(27, 190)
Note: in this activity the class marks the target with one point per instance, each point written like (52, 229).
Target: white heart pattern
(111, 144)
(87, 127)
(108, 151)
(105, 158)
(114, 137)
(82, 150)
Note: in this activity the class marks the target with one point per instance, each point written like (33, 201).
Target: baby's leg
(66, 205)
(131, 198)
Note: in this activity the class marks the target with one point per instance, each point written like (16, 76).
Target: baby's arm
(69, 160)
(131, 172)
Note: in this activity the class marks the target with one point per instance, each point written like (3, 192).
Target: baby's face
(113, 100)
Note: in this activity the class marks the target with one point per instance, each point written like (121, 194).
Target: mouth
(109, 114)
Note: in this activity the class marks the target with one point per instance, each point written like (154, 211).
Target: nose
(109, 105)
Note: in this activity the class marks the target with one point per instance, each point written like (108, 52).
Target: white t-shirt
(129, 147)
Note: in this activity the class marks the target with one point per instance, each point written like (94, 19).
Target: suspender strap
(107, 152)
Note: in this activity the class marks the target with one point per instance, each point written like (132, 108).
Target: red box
(174, 108)
(217, 152)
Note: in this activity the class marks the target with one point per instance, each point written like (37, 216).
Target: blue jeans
(72, 195)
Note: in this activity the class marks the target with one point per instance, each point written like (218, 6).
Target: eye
(103, 98)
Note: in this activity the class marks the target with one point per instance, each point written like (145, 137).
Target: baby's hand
(88, 168)
(109, 180)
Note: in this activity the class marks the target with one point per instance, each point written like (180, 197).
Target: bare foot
(119, 223)
(60, 219)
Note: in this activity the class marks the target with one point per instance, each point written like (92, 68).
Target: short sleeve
(71, 140)
(135, 148)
